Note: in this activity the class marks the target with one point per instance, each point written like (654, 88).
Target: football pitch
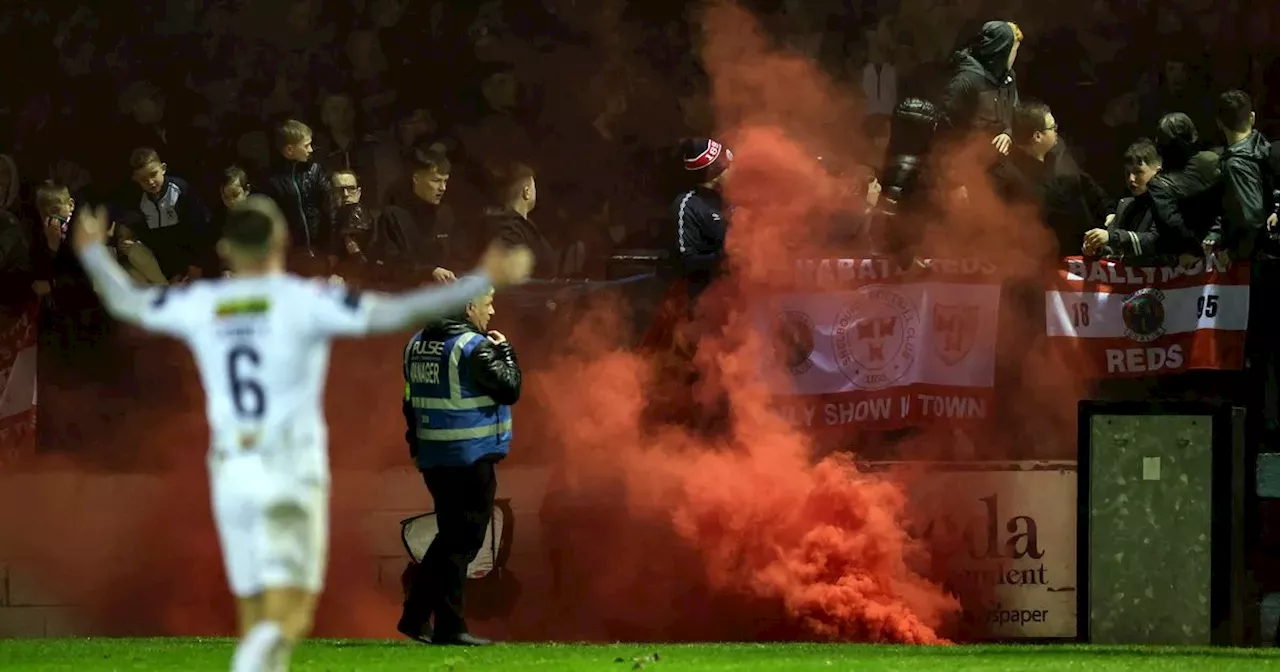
(194, 655)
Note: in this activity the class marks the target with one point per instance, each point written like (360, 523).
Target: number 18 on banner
(1141, 321)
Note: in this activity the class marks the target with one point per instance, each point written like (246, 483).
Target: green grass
(194, 655)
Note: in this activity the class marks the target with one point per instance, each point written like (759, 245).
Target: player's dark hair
(251, 222)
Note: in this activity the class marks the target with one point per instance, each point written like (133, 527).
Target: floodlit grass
(194, 655)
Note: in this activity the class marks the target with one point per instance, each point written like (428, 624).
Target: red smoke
(746, 509)
(778, 542)
(657, 530)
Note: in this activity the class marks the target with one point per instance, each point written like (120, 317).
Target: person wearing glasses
(1040, 172)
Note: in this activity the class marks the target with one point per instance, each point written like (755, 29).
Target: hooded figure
(982, 91)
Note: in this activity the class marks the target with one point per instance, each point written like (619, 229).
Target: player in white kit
(261, 342)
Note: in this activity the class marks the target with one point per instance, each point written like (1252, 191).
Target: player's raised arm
(354, 314)
(120, 296)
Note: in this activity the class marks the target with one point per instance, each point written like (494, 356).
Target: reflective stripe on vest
(463, 434)
(456, 401)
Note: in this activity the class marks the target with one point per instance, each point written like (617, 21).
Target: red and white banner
(1147, 320)
(860, 344)
(18, 385)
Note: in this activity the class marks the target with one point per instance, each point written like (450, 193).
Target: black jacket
(701, 227)
(1186, 201)
(512, 229)
(302, 192)
(1070, 202)
(175, 225)
(982, 90)
(1247, 197)
(416, 234)
(494, 369)
(1133, 232)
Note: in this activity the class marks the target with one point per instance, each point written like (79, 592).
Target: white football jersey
(261, 344)
(262, 347)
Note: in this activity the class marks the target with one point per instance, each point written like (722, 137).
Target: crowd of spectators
(399, 136)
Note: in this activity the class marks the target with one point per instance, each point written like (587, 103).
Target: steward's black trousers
(463, 507)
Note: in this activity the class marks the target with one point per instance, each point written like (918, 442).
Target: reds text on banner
(857, 345)
(1148, 320)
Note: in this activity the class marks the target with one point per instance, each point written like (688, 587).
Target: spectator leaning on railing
(1184, 197)
(1248, 179)
(1130, 230)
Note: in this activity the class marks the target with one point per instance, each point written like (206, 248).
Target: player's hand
(507, 265)
(443, 275)
(90, 228)
(496, 337)
(1002, 143)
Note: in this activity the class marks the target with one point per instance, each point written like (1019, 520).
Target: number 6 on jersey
(242, 364)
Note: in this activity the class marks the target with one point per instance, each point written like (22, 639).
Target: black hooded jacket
(1247, 197)
(982, 91)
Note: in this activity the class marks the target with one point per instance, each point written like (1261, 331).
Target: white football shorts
(273, 527)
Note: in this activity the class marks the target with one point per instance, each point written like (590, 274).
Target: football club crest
(1144, 315)
(955, 330)
(793, 341)
(875, 338)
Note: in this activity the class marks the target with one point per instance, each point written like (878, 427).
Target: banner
(1007, 536)
(1148, 320)
(859, 342)
(18, 383)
